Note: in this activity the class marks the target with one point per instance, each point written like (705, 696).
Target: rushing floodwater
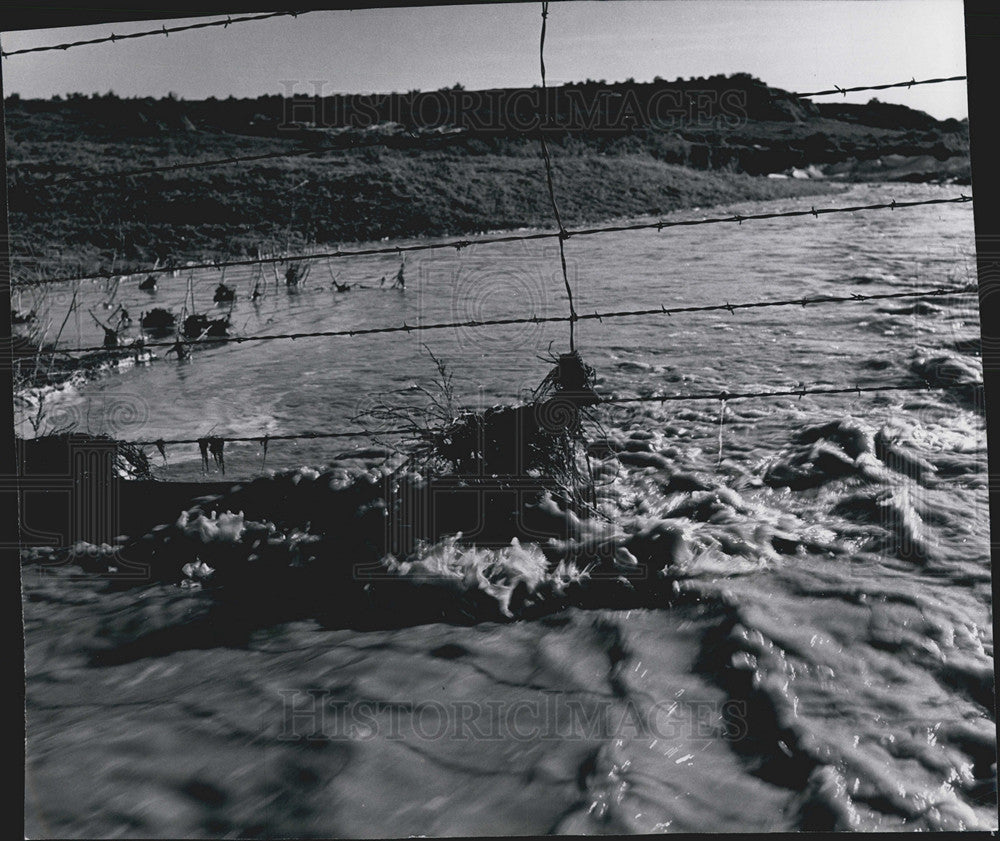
(826, 656)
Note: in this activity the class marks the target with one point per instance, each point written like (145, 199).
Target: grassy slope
(345, 197)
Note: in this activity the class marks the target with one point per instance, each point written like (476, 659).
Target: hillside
(445, 162)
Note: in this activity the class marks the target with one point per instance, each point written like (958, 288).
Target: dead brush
(542, 440)
(32, 350)
(296, 274)
(46, 453)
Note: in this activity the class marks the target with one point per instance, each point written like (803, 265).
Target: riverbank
(294, 204)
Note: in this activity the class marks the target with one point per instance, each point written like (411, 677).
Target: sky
(798, 45)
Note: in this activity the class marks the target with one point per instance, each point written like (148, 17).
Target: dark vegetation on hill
(448, 162)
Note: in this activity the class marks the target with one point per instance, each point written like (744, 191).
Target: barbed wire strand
(910, 84)
(855, 297)
(799, 392)
(548, 178)
(294, 436)
(509, 238)
(163, 30)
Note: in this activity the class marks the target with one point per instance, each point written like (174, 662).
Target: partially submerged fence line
(216, 443)
(295, 436)
(854, 297)
(799, 391)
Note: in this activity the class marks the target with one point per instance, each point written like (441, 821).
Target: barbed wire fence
(216, 443)
(715, 396)
(854, 297)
